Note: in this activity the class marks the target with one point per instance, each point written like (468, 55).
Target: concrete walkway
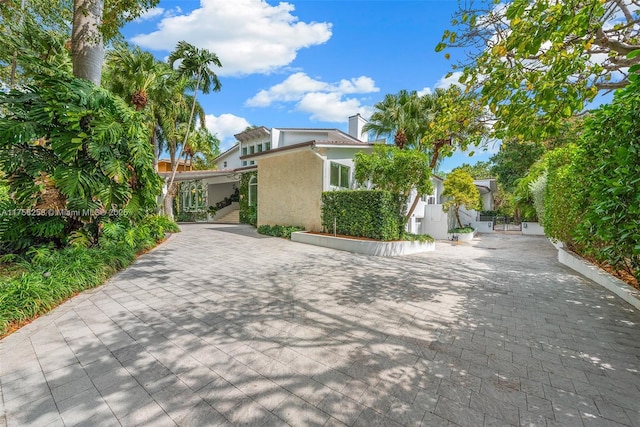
(221, 326)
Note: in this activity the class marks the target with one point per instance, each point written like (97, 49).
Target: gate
(506, 223)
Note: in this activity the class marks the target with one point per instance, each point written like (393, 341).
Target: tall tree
(87, 49)
(95, 21)
(196, 64)
(538, 62)
(202, 147)
(398, 116)
(460, 191)
(436, 123)
(133, 73)
(479, 170)
(513, 161)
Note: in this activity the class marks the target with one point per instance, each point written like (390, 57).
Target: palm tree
(195, 63)
(174, 116)
(399, 116)
(201, 147)
(133, 73)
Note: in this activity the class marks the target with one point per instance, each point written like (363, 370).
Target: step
(232, 217)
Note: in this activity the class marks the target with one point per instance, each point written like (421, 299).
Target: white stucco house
(286, 171)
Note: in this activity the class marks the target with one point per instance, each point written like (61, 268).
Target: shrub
(422, 238)
(609, 160)
(375, 214)
(461, 230)
(564, 201)
(537, 189)
(71, 152)
(283, 231)
(51, 276)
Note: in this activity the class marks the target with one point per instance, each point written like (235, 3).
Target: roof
(337, 132)
(229, 151)
(180, 161)
(200, 174)
(254, 133)
(342, 144)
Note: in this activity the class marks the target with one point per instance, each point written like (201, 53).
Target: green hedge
(283, 231)
(374, 214)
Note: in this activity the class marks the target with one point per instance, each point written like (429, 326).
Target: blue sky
(305, 63)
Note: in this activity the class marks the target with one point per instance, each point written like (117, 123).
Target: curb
(628, 293)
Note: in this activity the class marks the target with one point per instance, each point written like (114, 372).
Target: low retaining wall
(532, 229)
(483, 226)
(601, 277)
(366, 247)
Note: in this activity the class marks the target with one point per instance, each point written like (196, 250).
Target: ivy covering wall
(375, 214)
(248, 214)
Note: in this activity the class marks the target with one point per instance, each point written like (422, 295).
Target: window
(252, 149)
(224, 165)
(244, 163)
(429, 199)
(194, 196)
(259, 148)
(340, 175)
(253, 191)
(267, 146)
(244, 151)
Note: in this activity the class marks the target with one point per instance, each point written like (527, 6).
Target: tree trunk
(87, 50)
(168, 201)
(154, 144)
(412, 208)
(457, 211)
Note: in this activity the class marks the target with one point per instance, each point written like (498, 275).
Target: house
(164, 165)
(295, 166)
(285, 171)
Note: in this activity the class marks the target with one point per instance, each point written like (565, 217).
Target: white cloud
(249, 36)
(291, 89)
(446, 82)
(425, 91)
(225, 126)
(324, 101)
(331, 107)
(150, 14)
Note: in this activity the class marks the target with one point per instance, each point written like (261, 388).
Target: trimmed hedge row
(375, 214)
(283, 231)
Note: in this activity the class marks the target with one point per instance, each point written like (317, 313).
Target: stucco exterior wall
(290, 190)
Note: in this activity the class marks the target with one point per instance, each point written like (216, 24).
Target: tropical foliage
(460, 191)
(47, 277)
(395, 170)
(435, 123)
(538, 63)
(74, 152)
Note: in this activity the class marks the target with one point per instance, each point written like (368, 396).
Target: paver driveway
(222, 326)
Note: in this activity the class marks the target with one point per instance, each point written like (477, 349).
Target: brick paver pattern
(222, 326)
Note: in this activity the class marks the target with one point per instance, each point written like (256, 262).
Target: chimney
(356, 124)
